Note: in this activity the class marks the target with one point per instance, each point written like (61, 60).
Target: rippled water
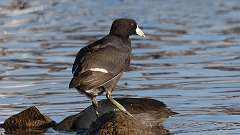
(189, 59)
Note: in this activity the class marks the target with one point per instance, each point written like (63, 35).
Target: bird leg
(119, 106)
(95, 106)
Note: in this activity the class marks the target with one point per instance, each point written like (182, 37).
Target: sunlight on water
(189, 59)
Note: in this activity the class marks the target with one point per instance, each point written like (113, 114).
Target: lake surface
(190, 58)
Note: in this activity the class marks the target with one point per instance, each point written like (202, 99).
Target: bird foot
(124, 111)
(97, 114)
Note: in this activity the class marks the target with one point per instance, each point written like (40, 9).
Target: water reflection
(189, 59)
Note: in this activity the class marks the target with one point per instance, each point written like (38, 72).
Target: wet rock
(71, 123)
(30, 118)
(118, 123)
(148, 111)
(149, 115)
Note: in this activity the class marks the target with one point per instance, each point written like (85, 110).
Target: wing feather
(91, 80)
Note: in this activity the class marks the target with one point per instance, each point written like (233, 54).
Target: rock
(148, 111)
(118, 123)
(149, 115)
(70, 123)
(30, 118)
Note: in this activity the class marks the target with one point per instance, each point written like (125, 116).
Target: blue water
(189, 59)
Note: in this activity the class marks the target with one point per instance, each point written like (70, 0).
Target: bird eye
(131, 24)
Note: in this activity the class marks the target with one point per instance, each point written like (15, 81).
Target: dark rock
(118, 123)
(148, 111)
(30, 118)
(149, 115)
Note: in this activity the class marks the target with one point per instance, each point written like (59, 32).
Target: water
(189, 59)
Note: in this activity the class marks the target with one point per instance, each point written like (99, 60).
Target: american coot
(99, 65)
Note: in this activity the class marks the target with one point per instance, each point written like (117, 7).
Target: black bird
(99, 65)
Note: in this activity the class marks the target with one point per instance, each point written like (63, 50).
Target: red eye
(131, 24)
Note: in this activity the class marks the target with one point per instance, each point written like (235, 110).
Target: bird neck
(122, 39)
(119, 33)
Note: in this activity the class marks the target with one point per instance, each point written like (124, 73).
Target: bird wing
(97, 64)
(84, 51)
(88, 51)
(91, 80)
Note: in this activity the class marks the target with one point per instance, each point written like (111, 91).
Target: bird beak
(139, 32)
